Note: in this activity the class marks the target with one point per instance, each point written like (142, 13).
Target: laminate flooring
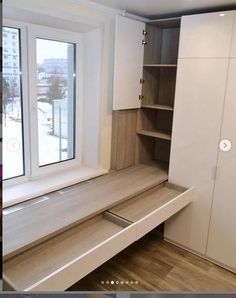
(152, 264)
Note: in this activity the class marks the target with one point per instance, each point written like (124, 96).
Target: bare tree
(6, 96)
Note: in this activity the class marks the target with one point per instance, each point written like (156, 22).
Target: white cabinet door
(206, 35)
(222, 235)
(233, 49)
(128, 65)
(198, 110)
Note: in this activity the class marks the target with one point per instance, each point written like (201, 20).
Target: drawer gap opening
(117, 219)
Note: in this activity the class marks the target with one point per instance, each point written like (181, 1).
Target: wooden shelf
(155, 134)
(158, 107)
(160, 65)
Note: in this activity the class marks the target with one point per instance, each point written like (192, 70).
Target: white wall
(74, 13)
(92, 98)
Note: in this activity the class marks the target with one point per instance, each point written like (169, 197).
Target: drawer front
(78, 268)
(158, 216)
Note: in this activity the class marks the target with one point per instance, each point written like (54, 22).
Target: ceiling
(148, 8)
(39, 18)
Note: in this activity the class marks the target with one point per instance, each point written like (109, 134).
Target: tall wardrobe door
(233, 49)
(198, 110)
(222, 235)
(206, 35)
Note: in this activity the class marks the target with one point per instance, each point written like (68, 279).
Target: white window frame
(28, 35)
(34, 32)
(25, 100)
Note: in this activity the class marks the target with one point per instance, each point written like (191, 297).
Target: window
(13, 149)
(44, 101)
(55, 101)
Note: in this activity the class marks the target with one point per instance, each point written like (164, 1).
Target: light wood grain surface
(39, 262)
(31, 225)
(158, 107)
(142, 205)
(160, 65)
(157, 266)
(159, 85)
(155, 134)
(123, 139)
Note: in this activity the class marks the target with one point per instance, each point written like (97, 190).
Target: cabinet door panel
(206, 35)
(233, 49)
(222, 236)
(128, 63)
(198, 109)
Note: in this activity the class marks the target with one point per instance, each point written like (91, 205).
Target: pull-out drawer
(153, 207)
(59, 262)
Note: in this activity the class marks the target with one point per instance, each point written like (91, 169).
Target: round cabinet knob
(225, 145)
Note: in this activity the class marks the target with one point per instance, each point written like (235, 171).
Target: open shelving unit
(155, 117)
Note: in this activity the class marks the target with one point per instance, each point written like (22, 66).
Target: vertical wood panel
(170, 45)
(152, 51)
(123, 139)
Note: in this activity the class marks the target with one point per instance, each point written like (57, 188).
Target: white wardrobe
(204, 122)
(204, 118)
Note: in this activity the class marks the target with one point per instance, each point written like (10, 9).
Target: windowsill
(31, 189)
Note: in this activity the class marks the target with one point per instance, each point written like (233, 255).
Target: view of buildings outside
(12, 107)
(55, 102)
(55, 97)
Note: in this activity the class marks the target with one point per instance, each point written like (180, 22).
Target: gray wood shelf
(155, 134)
(160, 65)
(158, 107)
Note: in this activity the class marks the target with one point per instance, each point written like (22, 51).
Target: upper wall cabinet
(206, 35)
(128, 65)
(233, 49)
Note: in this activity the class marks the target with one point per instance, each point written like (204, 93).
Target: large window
(40, 121)
(55, 100)
(13, 149)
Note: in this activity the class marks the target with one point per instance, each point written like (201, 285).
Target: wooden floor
(152, 264)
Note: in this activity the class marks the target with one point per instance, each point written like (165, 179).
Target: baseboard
(200, 255)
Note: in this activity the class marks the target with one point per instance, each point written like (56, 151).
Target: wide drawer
(59, 262)
(153, 207)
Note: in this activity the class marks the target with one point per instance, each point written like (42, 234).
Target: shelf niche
(159, 86)
(154, 123)
(162, 42)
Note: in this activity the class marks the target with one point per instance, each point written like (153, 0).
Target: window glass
(55, 101)
(12, 126)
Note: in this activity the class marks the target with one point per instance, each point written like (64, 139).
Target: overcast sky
(50, 49)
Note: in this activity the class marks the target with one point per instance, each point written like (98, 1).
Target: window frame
(28, 35)
(24, 100)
